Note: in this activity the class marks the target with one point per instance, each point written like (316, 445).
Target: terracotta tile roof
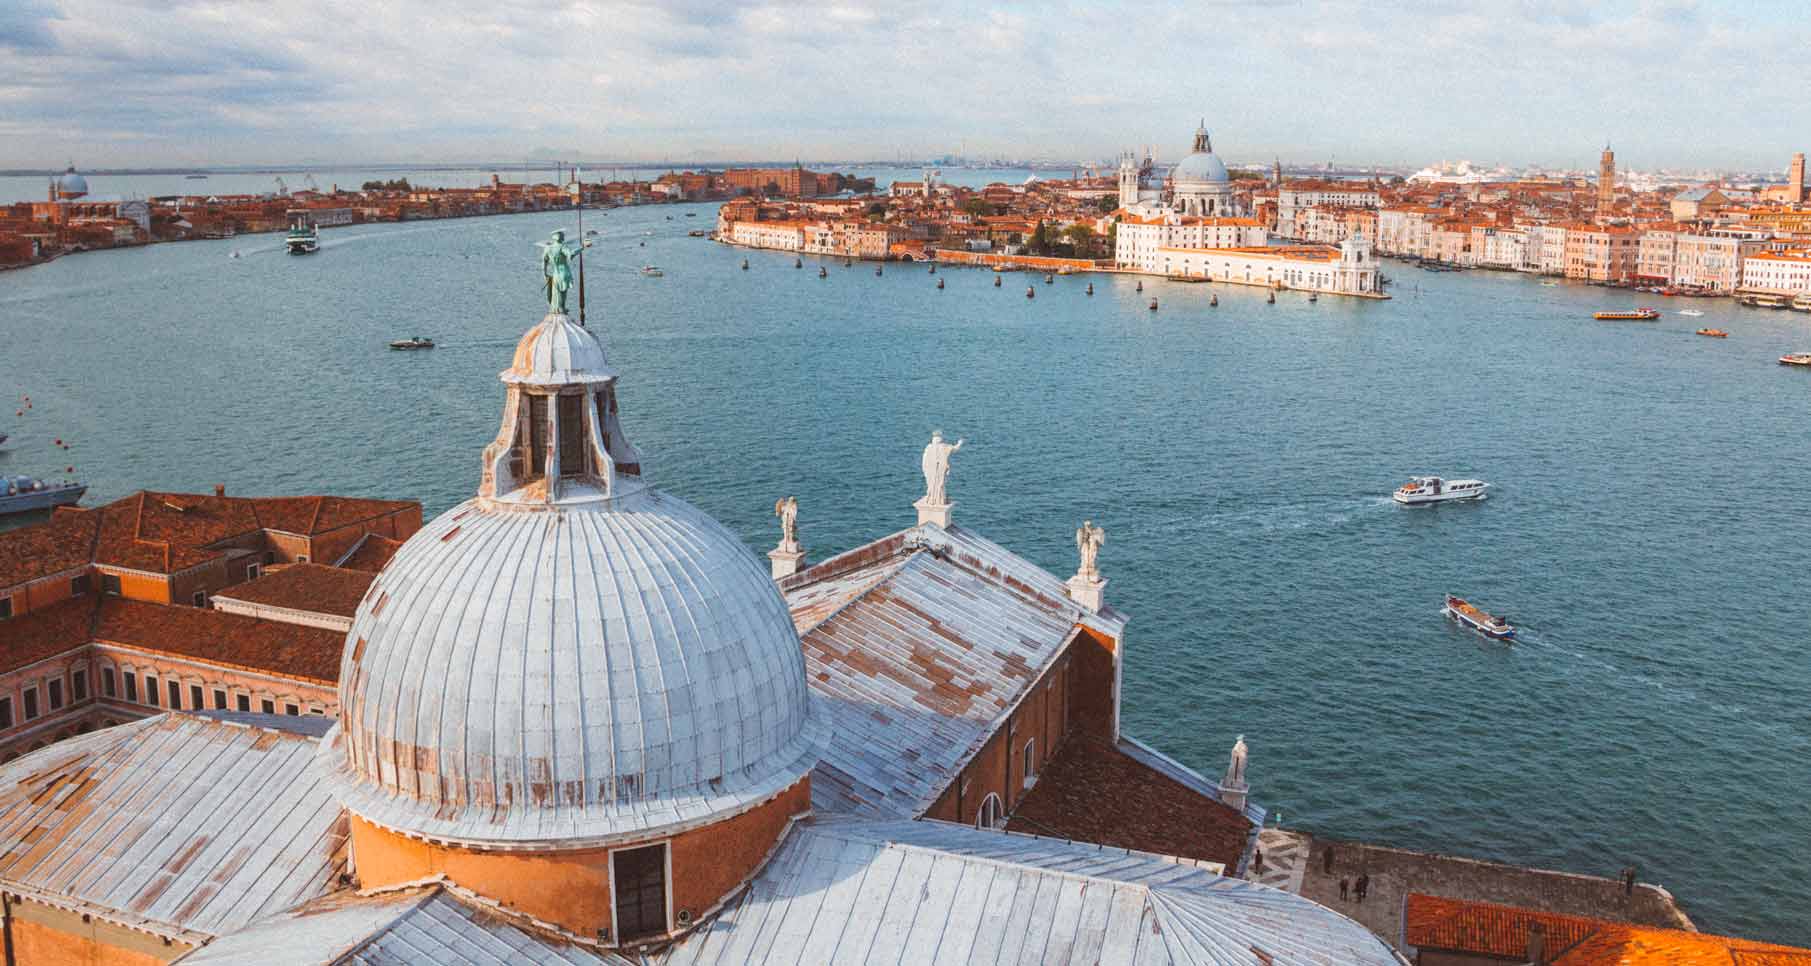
(1488, 929)
(65, 542)
(310, 653)
(45, 632)
(306, 586)
(1619, 945)
(1093, 792)
(169, 532)
(1485, 928)
(372, 552)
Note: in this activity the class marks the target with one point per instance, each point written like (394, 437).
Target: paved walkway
(1285, 859)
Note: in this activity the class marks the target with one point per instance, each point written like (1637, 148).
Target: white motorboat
(1433, 489)
(1694, 313)
(1470, 615)
(651, 271)
(22, 494)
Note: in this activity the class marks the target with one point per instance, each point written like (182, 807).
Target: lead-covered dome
(572, 657)
(71, 184)
(1202, 164)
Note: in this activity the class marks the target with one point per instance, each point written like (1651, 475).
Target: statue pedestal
(786, 562)
(1088, 591)
(938, 513)
(1233, 796)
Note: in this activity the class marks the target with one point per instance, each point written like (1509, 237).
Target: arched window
(990, 815)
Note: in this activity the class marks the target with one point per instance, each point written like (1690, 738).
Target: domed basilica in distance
(579, 721)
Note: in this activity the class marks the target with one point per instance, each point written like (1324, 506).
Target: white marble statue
(1235, 769)
(937, 468)
(1088, 540)
(787, 509)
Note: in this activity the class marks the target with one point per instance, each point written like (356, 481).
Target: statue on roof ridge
(556, 266)
(936, 464)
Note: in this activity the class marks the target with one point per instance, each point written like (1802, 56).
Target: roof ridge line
(377, 934)
(909, 553)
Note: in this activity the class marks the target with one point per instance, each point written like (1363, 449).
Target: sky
(140, 83)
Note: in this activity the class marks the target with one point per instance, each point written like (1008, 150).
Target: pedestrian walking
(1364, 886)
(1257, 860)
(1344, 887)
(1327, 861)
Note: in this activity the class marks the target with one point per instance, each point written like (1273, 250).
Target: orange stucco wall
(46, 936)
(572, 888)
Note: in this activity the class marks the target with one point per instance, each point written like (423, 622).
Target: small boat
(1467, 614)
(1796, 359)
(933, 270)
(1694, 313)
(823, 272)
(22, 494)
(2, 439)
(1140, 285)
(235, 254)
(996, 281)
(414, 343)
(698, 233)
(1153, 305)
(1767, 301)
(1213, 300)
(1627, 315)
(1548, 284)
(1314, 296)
(1801, 303)
(1090, 288)
(1031, 291)
(940, 285)
(1433, 489)
(651, 271)
(999, 268)
(1049, 278)
(303, 238)
(691, 214)
(642, 244)
(1714, 333)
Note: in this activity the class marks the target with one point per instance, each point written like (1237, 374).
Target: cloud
(121, 82)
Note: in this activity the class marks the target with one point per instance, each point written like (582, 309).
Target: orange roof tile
(216, 637)
(1484, 928)
(63, 543)
(306, 586)
(1619, 945)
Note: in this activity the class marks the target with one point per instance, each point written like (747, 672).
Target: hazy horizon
(138, 84)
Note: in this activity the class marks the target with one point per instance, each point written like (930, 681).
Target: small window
(251, 572)
(989, 817)
(131, 688)
(639, 877)
(6, 712)
(1031, 762)
(78, 684)
(110, 584)
(195, 697)
(201, 598)
(175, 695)
(291, 710)
(219, 700)
(267, 707)
(6, 607)
(301, 558)
(79, 585)
(31, 703)
(151, 690)
(108, 688)
(245, 703)
(53, 689)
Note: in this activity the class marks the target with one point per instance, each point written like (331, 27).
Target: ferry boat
(1801, 303)
(23, 494)
(1796, 359)
(414, 343)
(1628, 315)
(1766, 301)
(1467, 614)
(303, 237)
(651, 271)
(1433, 489)
(1714, 333)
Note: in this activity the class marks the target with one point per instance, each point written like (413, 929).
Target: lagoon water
(1647, 527)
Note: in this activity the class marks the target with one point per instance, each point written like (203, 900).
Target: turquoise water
(1645, 529)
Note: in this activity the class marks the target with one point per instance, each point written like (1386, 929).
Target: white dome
(71, 183)
(559, 352)
(591, 672)
(1200, 167)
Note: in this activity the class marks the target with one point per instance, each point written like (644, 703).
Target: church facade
(1197, 224)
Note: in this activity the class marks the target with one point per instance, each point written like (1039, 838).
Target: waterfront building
(1406, 230)
(1601, 253)
(577, 720)
(1657, 253)
(1712, 260)
(1349, 269)
(1779, 272)
(1200, 184)
(1494, 246)
(1547, 249)
(1298, 197)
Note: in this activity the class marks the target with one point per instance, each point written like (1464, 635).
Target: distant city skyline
(117, 83)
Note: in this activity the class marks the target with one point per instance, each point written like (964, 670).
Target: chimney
(219, 489)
